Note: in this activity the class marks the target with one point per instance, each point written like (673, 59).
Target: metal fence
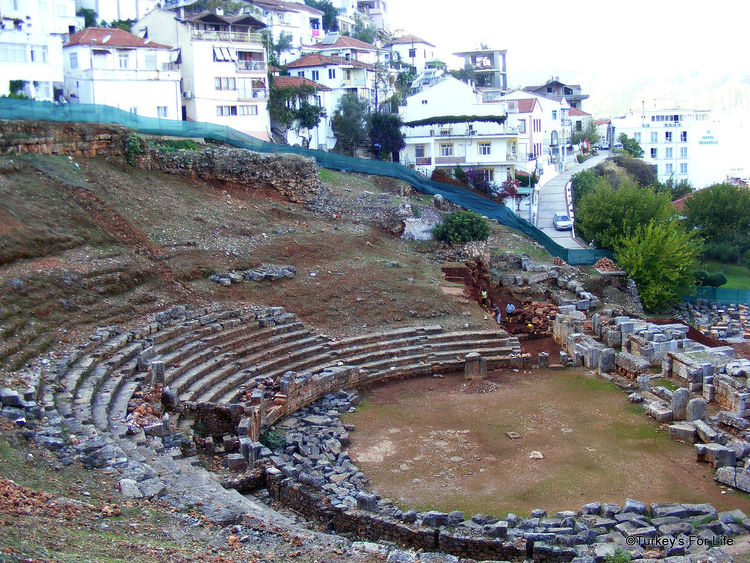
(48, 111)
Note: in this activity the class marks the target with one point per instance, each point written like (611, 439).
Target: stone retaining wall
(294, 177)
(75, 139)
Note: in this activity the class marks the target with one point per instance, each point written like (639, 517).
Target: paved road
(552, 200)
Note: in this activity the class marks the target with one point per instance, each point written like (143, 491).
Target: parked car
(617, 146)
(562, 222)
(604, 146)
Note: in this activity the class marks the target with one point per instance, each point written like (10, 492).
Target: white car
(604, 146)
(562, 222)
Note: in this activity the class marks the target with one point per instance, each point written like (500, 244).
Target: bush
(443, 177)
(642, 172)
(133, 146)
(476, 180)
(710, 279)
(725, 252)
(273, 439)
(661, 257)
(582, 183)
(460, 174)
(462, 226)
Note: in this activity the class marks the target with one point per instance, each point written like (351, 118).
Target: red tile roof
(344, 42)
(296, 82)
(578, 112)
(325, 60)
(601, 121)
(111, 37)
(282, 6)
(526, 105)
(409, 39)
(679, 203)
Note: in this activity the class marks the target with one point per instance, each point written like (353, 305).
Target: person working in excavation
(509, 310)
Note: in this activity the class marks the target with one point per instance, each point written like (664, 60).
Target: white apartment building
(526, 116)
(223, 66)
(337, 45)
(321, 137)
(376, 11)
(31, 41)
(113, 10)
(490, 71)
(342, 76)
(683, 144)
(347, 12)
(115, 68)
(303, 23)
(410, 50)
(486, 145)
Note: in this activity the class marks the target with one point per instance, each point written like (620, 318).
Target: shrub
(273, 439)
(710, 279)
(725, 252)
(443, 177)
(133, 146)
(462, 226)
(661, 258)
(642, 172)
(582, 183)
(477, 180)
(580, 157)
(460, 174)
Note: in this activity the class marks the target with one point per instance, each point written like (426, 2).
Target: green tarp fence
(47, 111)
(719, 295)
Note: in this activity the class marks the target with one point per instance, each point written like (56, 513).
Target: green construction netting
(48, 111)
(719, 295)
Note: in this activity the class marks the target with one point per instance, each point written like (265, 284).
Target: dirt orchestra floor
(441, 444)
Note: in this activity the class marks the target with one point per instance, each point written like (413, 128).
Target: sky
(696, 53)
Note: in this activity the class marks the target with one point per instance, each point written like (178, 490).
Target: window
(124, 59)
(488, 174)
(667, 136)
(100, 59)
(554, 114)
(248, 110)
(315, 75)
(226, 110)
(668, 169)
(683, 152)
(683, 136)
(318, 101)
(419, 151)
(683, 168)
(412, 53)
(150, 60)
(38, 53)
(485, 148)
(225, 83)
(637, 136)
(522, 126)
(445, 132)
(331, 73)
(424, 102)
(654, 153)
(446, 149)
(74, 61)
(162, 111)
(668, 154)
(654, 137)
(301, 73)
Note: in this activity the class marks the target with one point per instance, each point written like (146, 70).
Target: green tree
(721, 214)
(605, 215)
(275, 48)
(661, 257)
(363, 31)
(582, 183)
(88, 15)
(589, 133)
(330, 13)
(124, 25)
(307, 117)
(462, 226)
(466, 74)
(676, 190)
(630, 146)
(386, 135)
(349, 122)
(288, 107)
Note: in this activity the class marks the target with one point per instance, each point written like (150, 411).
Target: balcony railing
(450, 159)
(423, 161)
(511, 156)
(245, 95)
(250, 66)
(232, 36)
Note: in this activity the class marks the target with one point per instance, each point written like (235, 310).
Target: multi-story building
(320, 137)
(580, 120)
(336, 45)
(347, 13)
(526, 116)
(556, 90)
(342, 76)
(490, 71)
(410, 50)
(683, 144)
(376, 11)
(487, 145)
(223, 66)
(116, 68)
(31, 41)
(302, 23)
(113, 10)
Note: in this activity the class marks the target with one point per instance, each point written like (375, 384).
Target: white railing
(248, 66)
(232, 36)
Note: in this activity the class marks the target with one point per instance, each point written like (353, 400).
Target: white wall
(112, 10)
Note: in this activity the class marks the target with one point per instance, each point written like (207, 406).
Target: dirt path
(428, 444)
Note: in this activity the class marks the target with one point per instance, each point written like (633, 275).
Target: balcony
(511, 157)
(251, 66)
(231, 36)
(250, 95)
(423, 161)
(450, 159)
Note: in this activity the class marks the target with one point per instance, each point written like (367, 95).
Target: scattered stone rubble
(718, 321)
(266, 272)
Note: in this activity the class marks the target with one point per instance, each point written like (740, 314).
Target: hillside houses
(302, 24)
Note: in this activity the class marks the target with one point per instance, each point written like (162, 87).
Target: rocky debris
(607, 265)
(266, 272)
(716, 320)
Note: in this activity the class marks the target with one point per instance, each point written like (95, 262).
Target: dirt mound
(478, 386)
